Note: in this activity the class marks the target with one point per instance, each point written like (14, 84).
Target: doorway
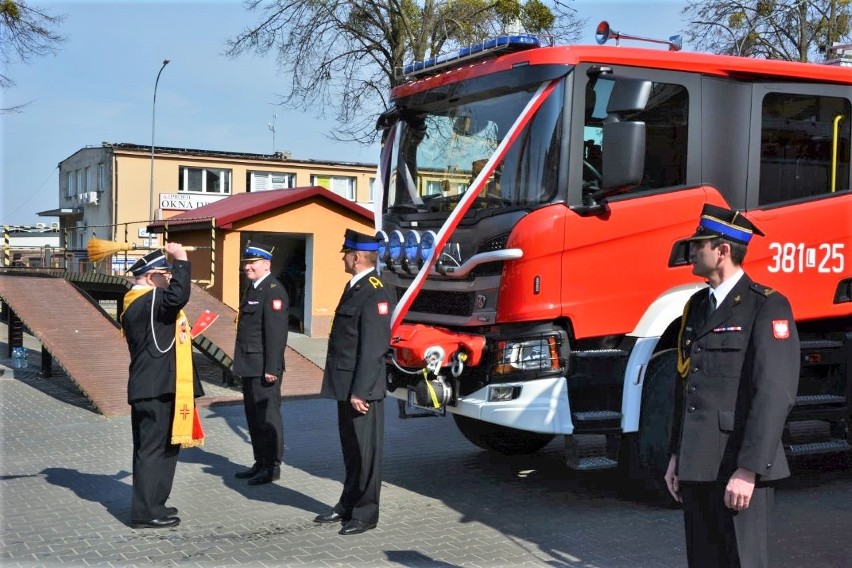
(290, 267)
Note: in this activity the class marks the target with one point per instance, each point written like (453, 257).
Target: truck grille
(441, 302)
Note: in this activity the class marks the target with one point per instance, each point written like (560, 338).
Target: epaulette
(762, 290)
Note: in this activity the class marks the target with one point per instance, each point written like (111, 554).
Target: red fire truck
(535, 206)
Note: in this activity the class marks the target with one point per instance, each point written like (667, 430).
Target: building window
(204, 180)
(434, 187)
(71, 190)
(81, 182)
(342, 186)
(91, 184)
(101, 178)
(796, 141)
(265, 181)
(372, 190)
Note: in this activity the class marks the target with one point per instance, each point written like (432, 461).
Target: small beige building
(306, 227)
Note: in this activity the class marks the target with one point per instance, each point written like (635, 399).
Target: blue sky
(99, 87)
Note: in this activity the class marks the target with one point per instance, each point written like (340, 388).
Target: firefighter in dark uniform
(355, 377)
(156, 331)
(259, 361)
(738, 360)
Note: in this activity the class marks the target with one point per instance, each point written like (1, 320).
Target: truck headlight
(539, 354)
(412, 247)
(427, 245)
(382, 239)
(395, 246)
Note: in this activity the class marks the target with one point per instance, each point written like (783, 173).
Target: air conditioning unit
(54, 226)
(90, 197)
(41, 226)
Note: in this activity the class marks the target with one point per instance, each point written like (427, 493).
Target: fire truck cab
(536, 202)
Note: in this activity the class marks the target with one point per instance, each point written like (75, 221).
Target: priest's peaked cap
(155, 260)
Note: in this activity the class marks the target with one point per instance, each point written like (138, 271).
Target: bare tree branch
(795, 30)
(342, 57)
(26, 32)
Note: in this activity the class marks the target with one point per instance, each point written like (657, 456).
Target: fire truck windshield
(439, 150)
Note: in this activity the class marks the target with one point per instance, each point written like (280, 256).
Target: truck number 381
(793, 257)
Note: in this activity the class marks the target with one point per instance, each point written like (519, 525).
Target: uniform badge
(780, 329)
(277, 304)
(383, 308)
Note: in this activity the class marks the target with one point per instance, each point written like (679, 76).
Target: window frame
(183, 179)
(759, 93)
(691, 82)
(353, 189)
(81, 181)
(71, 184)
(252, 174)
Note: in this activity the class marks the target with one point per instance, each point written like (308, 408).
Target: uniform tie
(711, 305)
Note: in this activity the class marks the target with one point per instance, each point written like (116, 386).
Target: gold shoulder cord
(683, 364)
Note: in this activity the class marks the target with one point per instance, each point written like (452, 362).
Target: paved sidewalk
(65, 491)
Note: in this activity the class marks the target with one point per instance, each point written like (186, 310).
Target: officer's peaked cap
(257, 251)
(353, 240)
(720, 222)
(155, 260)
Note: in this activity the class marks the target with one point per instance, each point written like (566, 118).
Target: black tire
(647, 452)
(501, 439)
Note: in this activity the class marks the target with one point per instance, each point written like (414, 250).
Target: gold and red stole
(186, 426)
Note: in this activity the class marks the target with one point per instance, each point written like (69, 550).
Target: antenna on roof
(271, 127)
(603, 33)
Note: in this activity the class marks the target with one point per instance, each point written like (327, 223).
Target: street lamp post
(153, 122)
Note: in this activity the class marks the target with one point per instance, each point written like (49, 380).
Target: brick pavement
(65, 489)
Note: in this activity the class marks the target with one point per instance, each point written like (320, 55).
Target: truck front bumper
(541, 406)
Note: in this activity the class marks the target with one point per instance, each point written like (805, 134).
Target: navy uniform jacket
(153, 373)
(739, 387)
(262, 330)
(360, 337)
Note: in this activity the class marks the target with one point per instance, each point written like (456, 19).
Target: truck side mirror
(623, 157)
(628, 95)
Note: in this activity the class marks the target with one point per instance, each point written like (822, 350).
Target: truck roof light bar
(604, 33)
(482, 50)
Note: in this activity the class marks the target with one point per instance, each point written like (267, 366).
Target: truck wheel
(647, 453)
(501, 439)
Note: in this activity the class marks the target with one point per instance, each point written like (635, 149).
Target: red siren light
(604, 33)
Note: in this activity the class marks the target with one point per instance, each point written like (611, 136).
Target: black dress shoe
(248, 473)
(354, 526)
(171, 511)
(330, 517)
(266, 475)
(163, 523)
